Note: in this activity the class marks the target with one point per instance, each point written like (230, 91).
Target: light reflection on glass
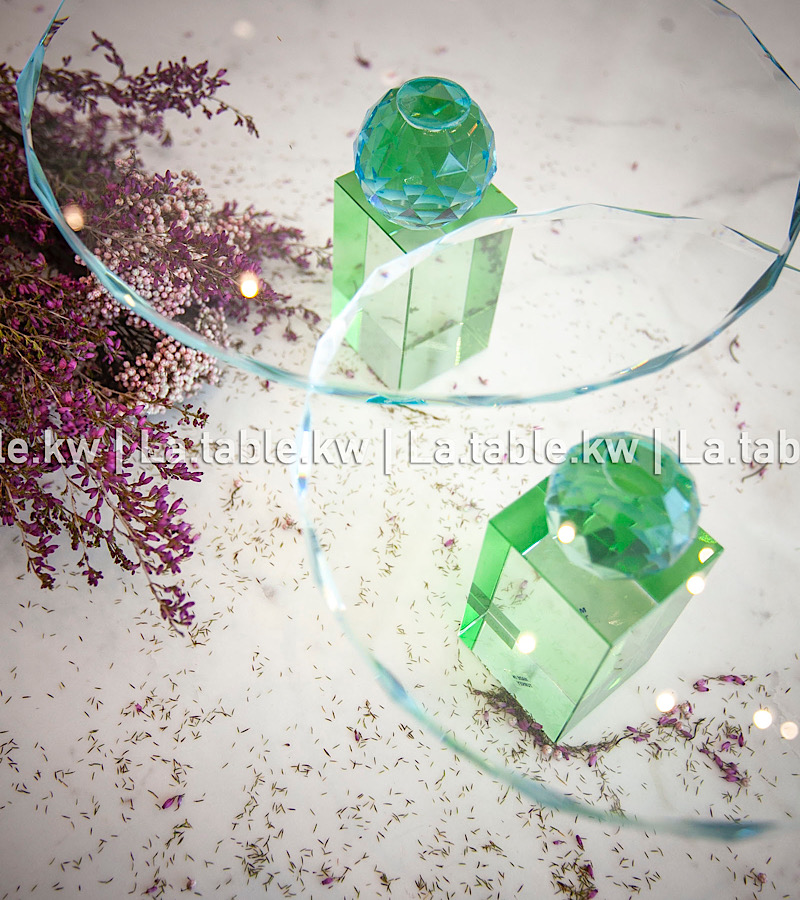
(566, 533)
(526, 642)
(695, 584)
(73, 216)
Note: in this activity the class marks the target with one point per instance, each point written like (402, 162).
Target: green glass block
(557, 637)
(436, 315)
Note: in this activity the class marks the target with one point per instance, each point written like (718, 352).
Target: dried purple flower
(176, 800)
(75, 370)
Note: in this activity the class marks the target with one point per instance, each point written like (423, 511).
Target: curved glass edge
(333, 337)
(531, 788)
(27, 85)
(726, 10)
(128, 298)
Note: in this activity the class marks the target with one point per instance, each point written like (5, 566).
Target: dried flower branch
(81, 378)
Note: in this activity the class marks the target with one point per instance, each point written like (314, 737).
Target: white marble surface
(254, 722)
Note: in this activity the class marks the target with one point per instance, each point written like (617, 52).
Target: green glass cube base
(557, 637)
(436, 315)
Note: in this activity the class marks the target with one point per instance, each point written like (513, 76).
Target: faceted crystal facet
(623, 506)
(425, 153)
(560, 638)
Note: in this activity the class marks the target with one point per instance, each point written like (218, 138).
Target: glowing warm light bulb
(248, 285)
(695, 584)
(665, 701)
(526, 642)
(762, 718)
(789, 730)
(705, 553)
(74, 216)
(566, 533)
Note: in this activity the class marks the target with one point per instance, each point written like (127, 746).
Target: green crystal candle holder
(559, 637)
(434, 316)
(424, 160)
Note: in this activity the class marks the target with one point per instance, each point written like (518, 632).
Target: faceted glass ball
(622, 506)
(425, 153)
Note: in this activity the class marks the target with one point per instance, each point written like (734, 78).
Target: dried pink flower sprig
(163, 236)
(75, 368)
(88, 129)
(159, 232)
(50, 403)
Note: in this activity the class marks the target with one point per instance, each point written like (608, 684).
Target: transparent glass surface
(583, 288)
(397, 500)
(591, 91)
(660, 207)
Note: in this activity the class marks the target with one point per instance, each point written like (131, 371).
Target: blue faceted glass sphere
(622, 506)
(425, 154)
